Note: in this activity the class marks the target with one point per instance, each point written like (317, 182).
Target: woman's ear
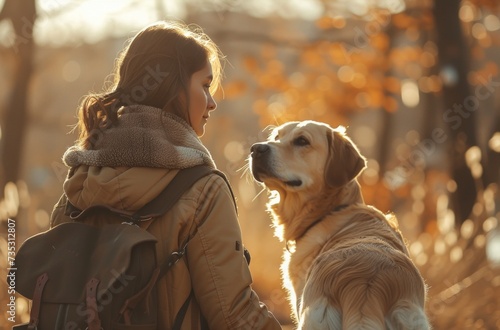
(344, 161)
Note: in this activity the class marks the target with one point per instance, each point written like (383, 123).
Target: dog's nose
(259, 149)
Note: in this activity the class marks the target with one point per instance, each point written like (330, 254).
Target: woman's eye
(301, 141)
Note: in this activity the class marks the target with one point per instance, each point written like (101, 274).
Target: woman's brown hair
(154, 69)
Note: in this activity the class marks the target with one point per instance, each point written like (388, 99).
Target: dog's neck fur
(306, 212)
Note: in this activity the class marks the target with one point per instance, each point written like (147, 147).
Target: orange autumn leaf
(235, 88)
(251, 64)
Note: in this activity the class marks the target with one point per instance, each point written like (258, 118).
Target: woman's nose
(212, 105)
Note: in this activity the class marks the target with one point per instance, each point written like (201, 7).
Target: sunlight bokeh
(374, 67)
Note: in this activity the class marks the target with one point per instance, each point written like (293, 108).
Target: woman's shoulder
(212, 188)
(213, 184)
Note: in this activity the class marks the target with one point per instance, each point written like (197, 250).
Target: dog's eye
(301, 141)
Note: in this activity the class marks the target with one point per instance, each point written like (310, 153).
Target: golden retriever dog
(350, 267)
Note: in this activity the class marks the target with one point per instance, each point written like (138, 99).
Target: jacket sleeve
(219, 272)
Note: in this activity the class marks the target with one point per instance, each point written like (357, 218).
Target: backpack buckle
(130, 223)
(134, 219)
(175, 257)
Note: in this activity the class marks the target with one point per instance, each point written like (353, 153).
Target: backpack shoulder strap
(161, 204)
(175, 189)
(171, 194)
(195, 172)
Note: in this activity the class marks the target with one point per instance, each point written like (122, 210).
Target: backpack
(102, 274)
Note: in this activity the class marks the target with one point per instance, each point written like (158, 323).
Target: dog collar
(335, 209)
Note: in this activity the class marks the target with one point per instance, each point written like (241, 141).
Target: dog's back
(364, 279)
(350, 268)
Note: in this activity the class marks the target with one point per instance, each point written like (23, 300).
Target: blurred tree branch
(22, 15)
(491, 161)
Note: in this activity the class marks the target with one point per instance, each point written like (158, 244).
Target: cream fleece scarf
(144, 137)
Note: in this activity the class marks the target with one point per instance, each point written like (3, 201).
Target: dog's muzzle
(260, 150)
(262, 165)
(260, 153)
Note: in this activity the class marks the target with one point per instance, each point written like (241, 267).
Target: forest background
(416, 83)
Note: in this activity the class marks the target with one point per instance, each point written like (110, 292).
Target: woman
(133, 140)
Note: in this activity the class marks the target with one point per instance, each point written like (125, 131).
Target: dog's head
(312, 167)
(308, 155)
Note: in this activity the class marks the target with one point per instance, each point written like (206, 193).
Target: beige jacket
(128, 166)
(214, 267)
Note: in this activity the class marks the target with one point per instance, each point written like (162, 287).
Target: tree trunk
(22, 14)
(491, 159)
(453, 68)
(387, 116)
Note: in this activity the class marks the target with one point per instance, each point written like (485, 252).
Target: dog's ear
(344, 161)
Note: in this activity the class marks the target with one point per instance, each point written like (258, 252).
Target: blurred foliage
(388, 63)
(382, 62)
